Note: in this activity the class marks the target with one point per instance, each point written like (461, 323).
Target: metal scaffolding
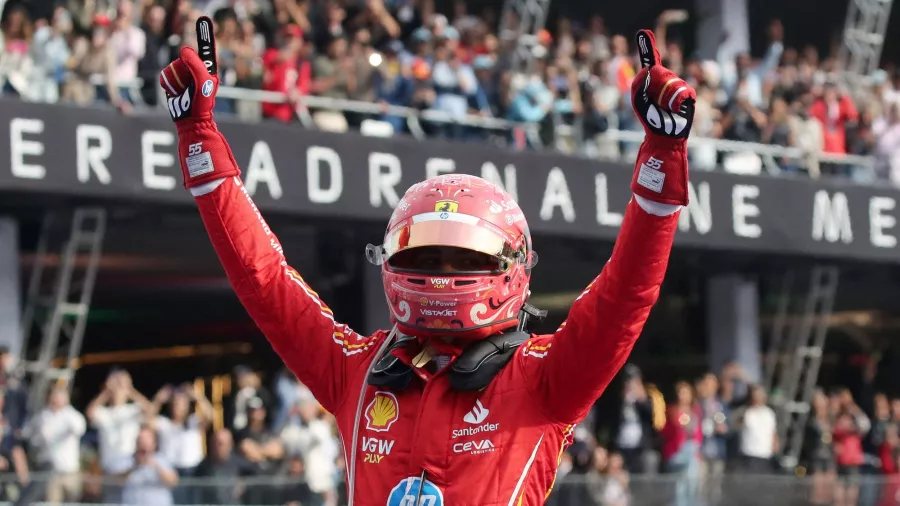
(520, 23)
(864, 32)
(795, 352)
(58, 298)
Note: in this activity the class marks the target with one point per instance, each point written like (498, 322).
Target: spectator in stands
(117, 413)
(778, 131)
(850, 427)
(262, 448)
(682, 436)
(15, 406)
(531, 101)
(888, 452)
(329, 24)
(181, 434)
(615, 492)
(634, 434)
(333, 77)
(836, 111)
(235, 57)
(581, 485)
(734, 385)
(747, 81)
(393, 83)
(716, 417)
(601, 102)
(487, 95)
(807, 131)
(818, 452)
(148, 477)
(756, 426)
(94, 58)
(16, 65)
(309, 433)
(156, 53)
(51, 53)
(248, 386)
(55, 435)
(290, 393)
(285, 72)
(298, 492)
(887, 147)
(12, 454)
(333, 71)
(454, 83)
(362, 52)
(129, 44)
(225, 468)
(890, 490)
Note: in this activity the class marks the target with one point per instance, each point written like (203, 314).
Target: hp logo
(404, 493)
(207, 88)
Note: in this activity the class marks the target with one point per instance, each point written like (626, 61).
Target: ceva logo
(474, 447)
(440, 282)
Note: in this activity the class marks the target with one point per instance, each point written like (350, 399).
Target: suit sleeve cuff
(655, 208)
(207, 187)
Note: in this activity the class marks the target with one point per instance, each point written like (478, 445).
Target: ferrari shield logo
(446, 206)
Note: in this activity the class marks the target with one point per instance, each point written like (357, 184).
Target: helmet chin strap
(526, 313)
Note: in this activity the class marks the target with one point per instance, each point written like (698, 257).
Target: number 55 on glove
(191, 83)
(664, 103)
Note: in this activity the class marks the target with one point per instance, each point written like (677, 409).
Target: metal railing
(414, 118)
(569, 490)
(804, 160)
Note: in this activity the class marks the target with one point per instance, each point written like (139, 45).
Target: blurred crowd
(404, 53)
(708, 442)
(269, 442)
(722, 427)
(260, 446)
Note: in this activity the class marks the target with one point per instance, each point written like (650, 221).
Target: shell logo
(382, 412)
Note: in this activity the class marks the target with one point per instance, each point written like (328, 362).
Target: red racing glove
(190, 84)
(665, 105)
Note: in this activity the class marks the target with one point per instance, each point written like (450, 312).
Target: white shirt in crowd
(319, 448)
(181, 445)
(57, 436)
(144, 486)
(129, 45)
(758, 433)
(118, 428)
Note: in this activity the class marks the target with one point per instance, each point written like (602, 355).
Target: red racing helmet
(456, 259)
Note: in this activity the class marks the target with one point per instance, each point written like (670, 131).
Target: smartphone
(679, 16)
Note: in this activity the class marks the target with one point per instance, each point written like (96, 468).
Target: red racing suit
(500, 446)
(497, 447)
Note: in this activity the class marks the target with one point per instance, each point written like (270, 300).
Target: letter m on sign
(831, 218)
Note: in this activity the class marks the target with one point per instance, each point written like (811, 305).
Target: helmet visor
(446, 229)
(449, 230)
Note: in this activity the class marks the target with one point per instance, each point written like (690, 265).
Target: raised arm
(576, 364)
(300, 327)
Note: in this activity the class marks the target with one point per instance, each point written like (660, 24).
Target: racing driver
(455, 405)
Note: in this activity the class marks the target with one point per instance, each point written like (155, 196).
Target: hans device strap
(472, 371)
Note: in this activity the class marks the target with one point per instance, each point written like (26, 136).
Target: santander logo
(477, 415)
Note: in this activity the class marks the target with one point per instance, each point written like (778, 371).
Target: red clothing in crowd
(834, 118)
(848, 444)
(283, 75)
(888, 459)
(680, 427)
